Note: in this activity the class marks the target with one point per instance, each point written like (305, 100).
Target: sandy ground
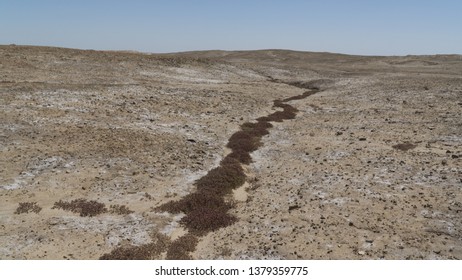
(137, 130)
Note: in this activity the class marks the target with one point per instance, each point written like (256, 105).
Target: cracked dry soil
(104, 155)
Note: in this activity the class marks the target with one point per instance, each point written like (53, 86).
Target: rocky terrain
(101, 154)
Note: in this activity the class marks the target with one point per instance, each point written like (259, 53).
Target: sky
(386, 27)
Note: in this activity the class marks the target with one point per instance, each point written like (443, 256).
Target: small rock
(293, 207)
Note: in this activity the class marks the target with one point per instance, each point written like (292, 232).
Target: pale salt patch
(173, 229)
(240, 194)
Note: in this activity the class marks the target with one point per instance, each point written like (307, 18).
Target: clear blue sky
(386, 27)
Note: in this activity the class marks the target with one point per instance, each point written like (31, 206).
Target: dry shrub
(404, 146)
(144, 252)
(229, 161)
(257, 129)
(301, 84)
(315, 85)
(301, 96)
(205, 219)
(288, 112)
(180, 248)
(222, 179)
(194, 201)
(26, 207)
(245, 141)
(241, 156)
(120, 209)
(286, 107)
(279, 116)
(82, 206)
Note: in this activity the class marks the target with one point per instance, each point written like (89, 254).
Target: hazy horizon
(218, 50)
(349, 27)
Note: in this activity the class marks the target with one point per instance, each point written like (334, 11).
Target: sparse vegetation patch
(194, 201)
(144, 252)
(204, 219)
(82, 206)
(181, 248)
(26, 207)
(120, 209)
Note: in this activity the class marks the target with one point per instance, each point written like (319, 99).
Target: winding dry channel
(207, 209)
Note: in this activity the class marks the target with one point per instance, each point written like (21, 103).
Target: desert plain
(95, 144)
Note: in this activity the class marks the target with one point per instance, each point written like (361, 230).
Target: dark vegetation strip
(86, 208)
(82, 206)
(206, 210)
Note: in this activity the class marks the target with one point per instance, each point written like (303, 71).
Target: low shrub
(194, 201)
(144, 252)
(180, 248)
(120, 209)
(245, 141)
(82, 206)
(229, 161)
(313, 85)
(241, 156)
(288, 112)
(222, 179)
(206, 219)
(301, 96)
(258, 129)
(279, 116)
(26, 207)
